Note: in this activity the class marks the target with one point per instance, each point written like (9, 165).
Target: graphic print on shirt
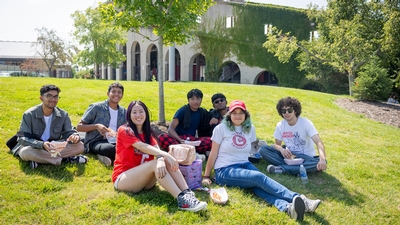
(238, 141)
(293, 142)
(144, 155)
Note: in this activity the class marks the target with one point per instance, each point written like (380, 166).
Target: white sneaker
(104, 159)
(311, 205)
(274, 169)
(187, 201)
(296, 209)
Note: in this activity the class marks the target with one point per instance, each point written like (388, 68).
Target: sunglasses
(289, 110)
(218, 101)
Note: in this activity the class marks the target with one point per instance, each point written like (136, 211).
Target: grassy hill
(361, 185)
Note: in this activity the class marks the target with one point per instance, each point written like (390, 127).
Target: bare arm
(284, 151)
(321, 151)
(172, 132)
(155, 150)
(84, 127)
(210, 163)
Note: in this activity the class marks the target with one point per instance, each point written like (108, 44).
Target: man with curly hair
(299, 135)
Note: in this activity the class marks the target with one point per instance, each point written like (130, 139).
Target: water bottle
(303, 174)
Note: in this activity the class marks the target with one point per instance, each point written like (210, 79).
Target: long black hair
(147, 131)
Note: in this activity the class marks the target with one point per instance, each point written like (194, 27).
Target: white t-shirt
(46, 134)
(234, 146)
(297, 138)
(113, 119)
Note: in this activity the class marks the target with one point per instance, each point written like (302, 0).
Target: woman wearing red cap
(231, 144)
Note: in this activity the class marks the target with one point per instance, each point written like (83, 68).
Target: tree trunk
(351, 80)
(161, 113)
(96, 72)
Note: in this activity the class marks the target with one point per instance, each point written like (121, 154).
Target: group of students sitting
(140, 158)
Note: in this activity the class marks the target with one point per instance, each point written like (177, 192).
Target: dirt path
(383, 112)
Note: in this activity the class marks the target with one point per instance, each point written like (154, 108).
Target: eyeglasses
(289, 110)
(50, 96)
(218, 101)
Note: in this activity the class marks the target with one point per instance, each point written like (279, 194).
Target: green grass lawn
(361, 185)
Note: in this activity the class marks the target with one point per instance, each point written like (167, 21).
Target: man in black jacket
(218, 112)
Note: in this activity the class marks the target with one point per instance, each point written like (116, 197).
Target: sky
(20, 18)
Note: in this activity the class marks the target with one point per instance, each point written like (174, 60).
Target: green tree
(98, 38)
(372, 82)
(172, 21)
(351, 33)
(52, 49)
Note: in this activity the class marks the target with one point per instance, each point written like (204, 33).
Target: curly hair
(147, 131)
(289, 102)
(246, 125)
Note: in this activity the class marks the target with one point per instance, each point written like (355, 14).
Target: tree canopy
(350, 32)
(52, 49)
(172, 21)
(98, 38)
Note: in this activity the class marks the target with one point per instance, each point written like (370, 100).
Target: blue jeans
(246, 175)
(276, 158)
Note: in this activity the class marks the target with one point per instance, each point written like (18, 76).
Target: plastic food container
(219, 195)
(294, 162)
(193, 143)
(111, 137)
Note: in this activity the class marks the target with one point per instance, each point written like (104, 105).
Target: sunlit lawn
(361, 185)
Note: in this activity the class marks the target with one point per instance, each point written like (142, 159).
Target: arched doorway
(152, 62)
(136, 61)
(266, 78)
(197, 67)
(177, 66)
(230, 72)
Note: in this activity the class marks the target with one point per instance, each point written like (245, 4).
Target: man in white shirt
(43, 124)
(299, 135)
(101, 118)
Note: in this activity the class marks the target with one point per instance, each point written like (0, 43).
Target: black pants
(102, 147)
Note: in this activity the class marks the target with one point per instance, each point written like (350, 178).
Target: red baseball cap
(237, 104)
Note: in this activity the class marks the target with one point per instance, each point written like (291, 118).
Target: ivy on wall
(246, 38)
(249, 36)
(212, 37)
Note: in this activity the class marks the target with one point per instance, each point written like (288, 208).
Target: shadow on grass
(64, 172)
(161, 198)
(321, 185)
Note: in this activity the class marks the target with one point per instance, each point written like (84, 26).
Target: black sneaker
(187, 201)
(78, 159)
(296, 209)
(33, 164)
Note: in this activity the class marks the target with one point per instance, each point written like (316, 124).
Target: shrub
(373, 82)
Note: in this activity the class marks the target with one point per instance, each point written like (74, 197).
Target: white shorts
(117, 180)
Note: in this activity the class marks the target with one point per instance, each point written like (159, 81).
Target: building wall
(187, 53)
